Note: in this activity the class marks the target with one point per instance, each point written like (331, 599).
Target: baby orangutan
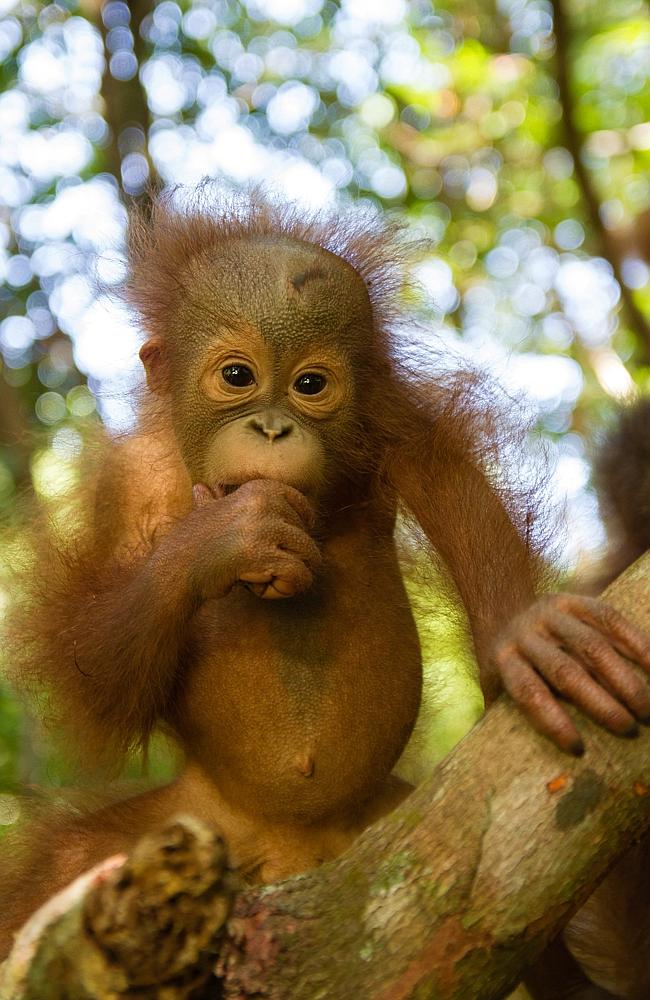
(239, 582)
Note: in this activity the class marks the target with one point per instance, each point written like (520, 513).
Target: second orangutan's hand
(578, 648)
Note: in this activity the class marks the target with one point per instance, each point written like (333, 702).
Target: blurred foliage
(448, 112)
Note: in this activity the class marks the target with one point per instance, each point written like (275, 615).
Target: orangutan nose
(271, 424)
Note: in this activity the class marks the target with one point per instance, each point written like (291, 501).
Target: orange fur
(432, 440)
(292, 713)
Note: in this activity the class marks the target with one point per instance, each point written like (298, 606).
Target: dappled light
(519, 157)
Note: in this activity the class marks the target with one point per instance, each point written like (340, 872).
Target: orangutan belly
(298, 709)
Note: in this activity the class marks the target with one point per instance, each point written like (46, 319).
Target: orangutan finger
(281, 496)
(290, 577)
(633, 642)
(301, 504)
(533, 697)
(285, 577)
(279, 590)
(282, 587)
(605, 662)
(296, 542)
(263, 497)
(571, 680)
(256, 577)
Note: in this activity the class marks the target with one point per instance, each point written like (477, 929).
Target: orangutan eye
(310, 384)
(239, 376)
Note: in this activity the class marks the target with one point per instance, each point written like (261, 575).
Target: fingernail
(578, 748)
(632, 732)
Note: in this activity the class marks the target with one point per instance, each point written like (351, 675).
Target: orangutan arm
(112, 634)
(559, 644)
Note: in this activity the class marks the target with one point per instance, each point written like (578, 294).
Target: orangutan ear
(154, 358)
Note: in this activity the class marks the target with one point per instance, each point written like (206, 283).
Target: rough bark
(142, 927)
(459, 889)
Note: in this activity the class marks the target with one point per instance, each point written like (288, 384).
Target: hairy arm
(123, 642)
(111, 633)
(493, 569)
(541, 650)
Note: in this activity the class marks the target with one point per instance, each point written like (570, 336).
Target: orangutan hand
(257, 535)
(575, 647)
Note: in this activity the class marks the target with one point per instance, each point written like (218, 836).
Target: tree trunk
(608, 245)
(462, 886)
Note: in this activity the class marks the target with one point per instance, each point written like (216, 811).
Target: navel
(305, 764)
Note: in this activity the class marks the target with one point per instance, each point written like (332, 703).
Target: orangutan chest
(300, 706)
(332, 657)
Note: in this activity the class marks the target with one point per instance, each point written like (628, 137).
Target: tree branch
(607, 244)
(125, 101)
(138, 927)
(455, 893)
(14, 433)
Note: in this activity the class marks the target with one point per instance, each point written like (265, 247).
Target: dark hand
(575, 647)
(256, 535)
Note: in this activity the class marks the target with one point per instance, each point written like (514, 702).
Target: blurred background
(514, 134)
